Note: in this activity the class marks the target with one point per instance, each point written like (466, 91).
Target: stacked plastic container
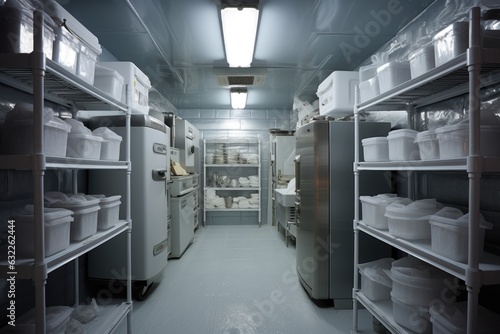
(373, 209)
(376, 285)
(109, 211)
(416, 286)
(57, 223)
(336, 93)
(85, 211)
(82, 143)
(17, 134)
(110, 147)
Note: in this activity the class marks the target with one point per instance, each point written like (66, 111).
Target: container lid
(454, 317)
(59, 124)
(84, 137)
(61, 16)
(78, 127)
(377, 271)
(461, 27)
(425, 136)
(24, 112)
(413, 267)
(55, 316)
(107, 134)
(51, 216)
(393, 64)
(374, 140)
(423, 208)
(380, 199)
(402, 133)
(452, 128)
(78, 201)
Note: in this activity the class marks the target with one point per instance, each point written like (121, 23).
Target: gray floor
(237, 280)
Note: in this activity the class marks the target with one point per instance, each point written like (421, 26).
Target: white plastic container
(428, 145)
(451, 42)
(393, 74)
(110, 147)
(16, 25)
(139, 84)
(415, 318)
(450, 232)
(90, 48)
(336, 93)
(81, 143)
(109, 81)
(415, 282)
(66, 49)
(373, 209)
(369, 89)
(56, 318)
(451, 318)
(85, 210)
(402, 146)
(411, 221)
(109, 211)
(422, 61)
(56, 227)
(375, 283)
(454, 140)
(375, 149)
(17, 136)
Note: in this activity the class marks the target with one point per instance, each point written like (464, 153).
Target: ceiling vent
(229, 77)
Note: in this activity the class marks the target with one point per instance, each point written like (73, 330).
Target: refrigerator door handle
(297, 174)
(159, 174)
(297, 215)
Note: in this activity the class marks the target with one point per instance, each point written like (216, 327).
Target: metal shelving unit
(233, 170)
(478, 67)
(35, 74)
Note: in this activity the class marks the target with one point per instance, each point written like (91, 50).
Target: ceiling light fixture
(238, 98)
(239, 27)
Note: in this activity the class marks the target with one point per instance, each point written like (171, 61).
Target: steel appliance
(150, 159)
(325, 209)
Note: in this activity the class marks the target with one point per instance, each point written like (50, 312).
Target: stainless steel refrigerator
(325, 208)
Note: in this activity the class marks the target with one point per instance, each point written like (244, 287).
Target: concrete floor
(237, 280)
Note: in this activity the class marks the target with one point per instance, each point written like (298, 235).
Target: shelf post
(356, 212)
(40, 266)
(474, 67)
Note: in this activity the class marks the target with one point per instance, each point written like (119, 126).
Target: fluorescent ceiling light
(238, 98)
(239, 27)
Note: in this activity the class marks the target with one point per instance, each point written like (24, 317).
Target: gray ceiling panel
(299, 43)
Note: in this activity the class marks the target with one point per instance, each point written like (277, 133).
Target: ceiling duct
(234, 77)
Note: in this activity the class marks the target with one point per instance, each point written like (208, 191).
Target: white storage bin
(90, 48)
(375, 283)
(451, 42)
(375, 149)
(452, 319)
(66, 49)
(81, 143)
(56, 318)
(428, 145)
(18, 132)
(450, 232)
(110, 147)
(412, 317)
(373, 209)
(56, 226)
(393, 74)
(411, 221)
(402, 146)
(336, 93)
(422, 61)
(139, 84)
(109, 81)
(415, 282)
(85, 210)
(454, 140)
(16, 25)
(369, 89)
(109, 213)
